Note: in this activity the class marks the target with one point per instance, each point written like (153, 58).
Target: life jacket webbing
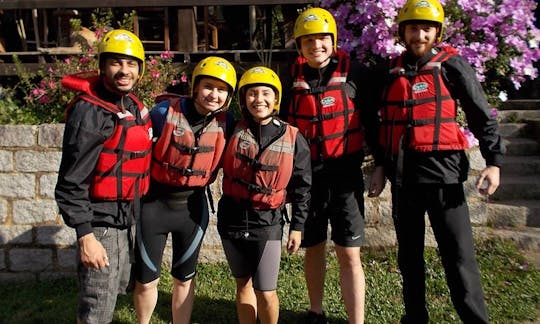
(251, 187)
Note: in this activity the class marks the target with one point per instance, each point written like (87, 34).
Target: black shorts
(342, 206)
(256, 259)
(186, 221)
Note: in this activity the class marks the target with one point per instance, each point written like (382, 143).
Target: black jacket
(86, 130)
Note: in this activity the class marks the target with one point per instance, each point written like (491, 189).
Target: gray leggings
(256, 259)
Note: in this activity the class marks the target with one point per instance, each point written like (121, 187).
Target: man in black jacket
(104, 171)
(426, 161)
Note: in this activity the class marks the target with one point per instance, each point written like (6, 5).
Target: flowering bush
(38, 97)
(497, 37)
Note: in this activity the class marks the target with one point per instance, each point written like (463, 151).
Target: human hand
(377, 182)
(293, 244)
(488, 181)
(92, 253)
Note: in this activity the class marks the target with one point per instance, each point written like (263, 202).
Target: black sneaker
(315, 318)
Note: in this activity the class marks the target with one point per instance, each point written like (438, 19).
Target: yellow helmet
(259, 75)
(315, 21)
(422, 10)
(120, 41)
(216, 67)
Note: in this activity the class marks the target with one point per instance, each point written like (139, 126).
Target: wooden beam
(180, 58)
(40, 4)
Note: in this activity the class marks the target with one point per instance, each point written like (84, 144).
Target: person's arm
(85, 132)
(84, 135)
(298, 191)
(465, 87)
(369, 84)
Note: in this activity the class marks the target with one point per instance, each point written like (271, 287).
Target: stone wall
(35, 244)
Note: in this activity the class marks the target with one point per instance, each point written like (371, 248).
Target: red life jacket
(419, 110)
(123, 168)
(259, 177)
(180, 158)
(325, 115)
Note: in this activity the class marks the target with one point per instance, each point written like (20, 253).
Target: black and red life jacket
(182, 158)
(419, 110)
(123, 168)
(258, 177)
(325, 115)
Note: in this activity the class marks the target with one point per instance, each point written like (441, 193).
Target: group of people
(129, 177)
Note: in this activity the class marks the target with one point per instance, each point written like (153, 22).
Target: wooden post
(187, 30)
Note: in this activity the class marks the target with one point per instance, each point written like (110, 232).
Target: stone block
(15, 234)
(18, 135)
(478, 211)
(47, 183)
(50, 135)
(380, 237)
(67, 259)
(476, 161)
(6, 161)
(37, 161)
(3, 211)
(17, 185)
(33, 260)
(58, 235)
(34, 211)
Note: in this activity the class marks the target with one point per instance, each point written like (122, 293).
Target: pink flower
(471, 139)
(67, 60)
(44, 99)
(37, 92)
(153, 62)
(494, 112)
(155, 74)
(183, 78)
(165, 55)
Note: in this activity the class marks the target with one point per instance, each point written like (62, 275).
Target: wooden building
(239, 29)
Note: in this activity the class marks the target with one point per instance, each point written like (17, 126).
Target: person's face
(317, 49)
(210, 95)
(260, 102)
(419, 38)
(120, 73)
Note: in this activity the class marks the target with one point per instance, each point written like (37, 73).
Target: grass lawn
(512, 289)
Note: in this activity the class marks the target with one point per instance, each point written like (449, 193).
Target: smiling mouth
(123, 82)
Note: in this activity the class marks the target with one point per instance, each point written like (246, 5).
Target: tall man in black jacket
(426, 161)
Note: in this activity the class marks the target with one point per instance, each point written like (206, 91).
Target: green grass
(512, 289)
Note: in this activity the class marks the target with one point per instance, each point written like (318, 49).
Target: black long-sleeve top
(87, 128)
(446, 167)
(235, 219)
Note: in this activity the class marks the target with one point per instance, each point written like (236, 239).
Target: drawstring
(246, 233)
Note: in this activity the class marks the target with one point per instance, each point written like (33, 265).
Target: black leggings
(186, 221)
